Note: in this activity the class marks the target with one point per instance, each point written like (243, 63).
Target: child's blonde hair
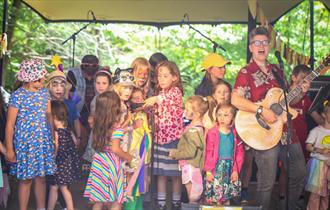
(199, 104)
(326, 106)
(118, 88)
(140, 61)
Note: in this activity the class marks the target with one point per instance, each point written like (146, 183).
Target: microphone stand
(215, 45)
(73, 37)
(288, 141)
(284, 87)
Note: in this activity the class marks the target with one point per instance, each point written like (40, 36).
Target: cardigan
(212, 150)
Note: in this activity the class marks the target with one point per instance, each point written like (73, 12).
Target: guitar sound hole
(277, 109)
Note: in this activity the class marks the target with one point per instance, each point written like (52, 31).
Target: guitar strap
(280, 80)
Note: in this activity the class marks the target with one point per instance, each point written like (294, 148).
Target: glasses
(89, 65)
(260, 42)
(124, 78)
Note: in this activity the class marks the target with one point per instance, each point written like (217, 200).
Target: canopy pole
(311, 28)
(251, 25)
(4, 26)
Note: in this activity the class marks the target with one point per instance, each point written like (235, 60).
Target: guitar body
(253, 134)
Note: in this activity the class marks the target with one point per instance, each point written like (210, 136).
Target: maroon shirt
(299, 124)
(253, 84)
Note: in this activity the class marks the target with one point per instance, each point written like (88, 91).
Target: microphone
(279, 59)
(94, 18)
(181, 22)
(183, 19)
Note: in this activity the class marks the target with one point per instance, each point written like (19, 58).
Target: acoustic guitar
(254, 130)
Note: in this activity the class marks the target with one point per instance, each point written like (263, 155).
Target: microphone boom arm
(215, 45)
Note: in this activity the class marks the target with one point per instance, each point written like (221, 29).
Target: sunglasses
(261, 42)
(89, 65)
(125, 78)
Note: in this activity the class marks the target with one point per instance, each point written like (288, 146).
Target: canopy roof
(158, 12)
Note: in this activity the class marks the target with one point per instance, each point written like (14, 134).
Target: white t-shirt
(319, 137)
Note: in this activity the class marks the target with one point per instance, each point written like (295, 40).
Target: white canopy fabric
(158, 12)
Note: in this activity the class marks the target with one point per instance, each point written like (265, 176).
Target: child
(154, 60)
(67, 160)
(29, 133)
(220, 95)
(59, 89)
(141, 71)
(215, 69)
(124, 82)
(4, 184)
(140, 146)
(190, 151)
(223, 159)
(297, 148)
(102, 84)
(107, 180)
(318, 143)
(169, 127)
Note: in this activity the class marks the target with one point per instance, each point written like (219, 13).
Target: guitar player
(252, 83)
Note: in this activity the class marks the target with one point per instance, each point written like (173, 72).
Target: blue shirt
(73, 112)
(226, 145)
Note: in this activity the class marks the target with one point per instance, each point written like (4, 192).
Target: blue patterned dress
(33, 143)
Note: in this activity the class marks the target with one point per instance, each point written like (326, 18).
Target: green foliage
(118, 44)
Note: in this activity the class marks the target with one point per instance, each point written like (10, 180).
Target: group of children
(42, 136)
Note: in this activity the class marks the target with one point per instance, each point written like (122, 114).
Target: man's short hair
(258, 31)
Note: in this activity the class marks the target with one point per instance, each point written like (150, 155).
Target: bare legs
(53, 192)
(24, 192)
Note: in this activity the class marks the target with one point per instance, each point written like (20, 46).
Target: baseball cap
(214, 59)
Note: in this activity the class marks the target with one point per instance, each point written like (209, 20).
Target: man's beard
(89, 72)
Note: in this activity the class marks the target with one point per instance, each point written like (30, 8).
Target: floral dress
(67, 159)
(33, 142)
(222, 189)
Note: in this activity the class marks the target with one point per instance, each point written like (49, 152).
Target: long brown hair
(107, 113)
(174, 71)
(59, 111)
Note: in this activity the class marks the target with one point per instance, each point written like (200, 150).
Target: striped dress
(107, 180)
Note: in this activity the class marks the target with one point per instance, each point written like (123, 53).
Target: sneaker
(176, 206)
(161, 207)
(244, 196)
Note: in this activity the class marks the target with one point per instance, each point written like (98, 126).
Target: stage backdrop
(159, 12)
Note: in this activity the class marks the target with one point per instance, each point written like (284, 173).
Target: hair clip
(205, 99)
(326, 103)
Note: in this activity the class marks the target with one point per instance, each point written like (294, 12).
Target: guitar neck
(297, 90)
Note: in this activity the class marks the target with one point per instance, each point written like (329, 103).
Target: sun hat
(31, 70)
(58, 75)
(214, 59)
(124, 77)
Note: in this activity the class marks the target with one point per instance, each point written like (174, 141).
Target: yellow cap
(214, 59)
